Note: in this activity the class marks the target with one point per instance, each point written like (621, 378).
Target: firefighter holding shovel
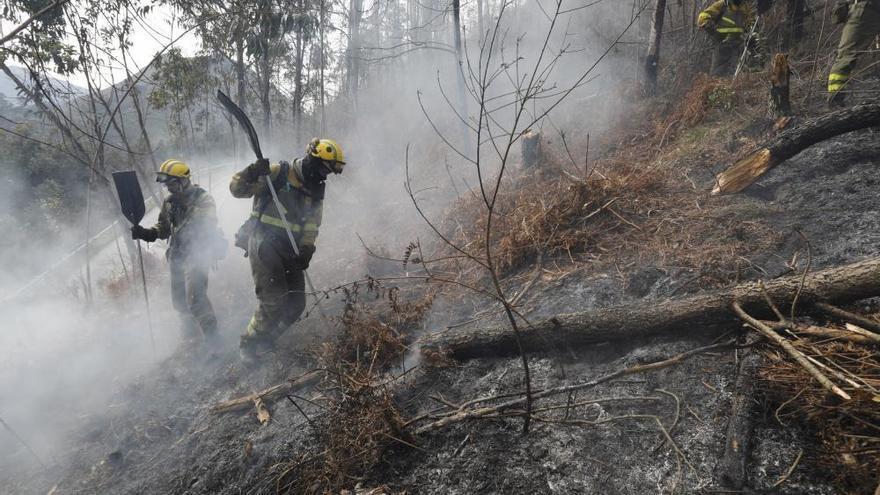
(189, 219)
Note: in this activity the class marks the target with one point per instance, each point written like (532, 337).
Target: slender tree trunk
(321, 21)
(652, 59)
(796, 11)
(480, 26)
(354, 47)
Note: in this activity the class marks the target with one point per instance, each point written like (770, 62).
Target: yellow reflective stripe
(252, 327)
(277, 222)
(838, 77)
(728, 21)
(735, 30)
(310, 226)
(835, 87)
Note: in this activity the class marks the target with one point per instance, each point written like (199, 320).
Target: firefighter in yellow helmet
(189, 218)
(727, 22)
(861, 20)
(279, 281)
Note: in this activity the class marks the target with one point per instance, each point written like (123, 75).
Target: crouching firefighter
(189, 219)
(727, 23)
(278, 272)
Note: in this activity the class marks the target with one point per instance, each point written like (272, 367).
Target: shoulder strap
(278, 182)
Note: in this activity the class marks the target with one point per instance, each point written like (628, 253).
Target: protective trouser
(279, 284)
(862, 25)
(189, 294)
(726, 57)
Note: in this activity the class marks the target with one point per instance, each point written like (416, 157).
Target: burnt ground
(157, 435)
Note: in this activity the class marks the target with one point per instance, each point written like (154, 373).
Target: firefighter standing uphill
(862, 23)
(189, 217)
(727, 22)
(279, 281)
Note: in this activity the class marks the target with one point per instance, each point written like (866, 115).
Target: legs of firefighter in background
(862, 25)
(189, 294)
(280, 290)
(725, 57)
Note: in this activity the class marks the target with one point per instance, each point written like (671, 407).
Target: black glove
(840, 11)
(138, 232)
(305, 256)
(258, 168)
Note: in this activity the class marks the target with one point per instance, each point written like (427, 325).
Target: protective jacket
(729, 21)
(302, 204)
(189, 219)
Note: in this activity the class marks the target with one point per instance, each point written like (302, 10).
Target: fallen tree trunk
(791, 142)
(711, 309)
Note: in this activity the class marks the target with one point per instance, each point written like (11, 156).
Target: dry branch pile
(828, 375)
(849, 430)
(361, 419)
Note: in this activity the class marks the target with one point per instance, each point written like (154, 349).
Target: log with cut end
(647, 318)
(791, 142)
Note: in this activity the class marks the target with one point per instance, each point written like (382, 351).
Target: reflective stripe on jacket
(301, 206)
(731, 21)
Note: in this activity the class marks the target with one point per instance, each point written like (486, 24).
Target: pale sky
(148, 37)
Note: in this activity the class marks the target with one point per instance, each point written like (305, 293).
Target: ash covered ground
(158, 435)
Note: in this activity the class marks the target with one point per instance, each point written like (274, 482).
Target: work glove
(259, 168)
(138, 232)
(305, 256)
(840, 12)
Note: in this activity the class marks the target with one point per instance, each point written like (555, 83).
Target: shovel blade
(131, 199)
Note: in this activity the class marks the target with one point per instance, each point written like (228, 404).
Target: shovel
(131, 200)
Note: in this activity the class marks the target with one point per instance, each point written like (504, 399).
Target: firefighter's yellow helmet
(329, 151)
(172, 169)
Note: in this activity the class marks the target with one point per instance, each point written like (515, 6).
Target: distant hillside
(10, 92)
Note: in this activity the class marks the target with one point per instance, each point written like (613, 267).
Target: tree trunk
(780, 101)
(652, 59)
(322, 24)
(647, 318)
(791, 142)
(796, 11)
(354, 47)
(741, 425)
(480, 21)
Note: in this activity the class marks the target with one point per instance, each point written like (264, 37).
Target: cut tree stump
(647, 318)
(741, 425)
(792, 141)
(780, 73)
(531, 149)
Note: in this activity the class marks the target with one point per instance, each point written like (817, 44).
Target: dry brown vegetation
(849, 431)
(638, 205)
(361, 417)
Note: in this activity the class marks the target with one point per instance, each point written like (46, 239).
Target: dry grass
(637, 206)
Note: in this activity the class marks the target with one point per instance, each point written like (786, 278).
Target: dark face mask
(315, 170)
(175, 186)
